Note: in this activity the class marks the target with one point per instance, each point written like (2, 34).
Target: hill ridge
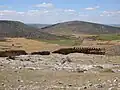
(81, 27)
(19, 29)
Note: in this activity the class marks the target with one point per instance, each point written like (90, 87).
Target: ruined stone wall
(12, 53)
(86, 50)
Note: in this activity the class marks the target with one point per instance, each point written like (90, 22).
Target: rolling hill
(19, 29)
(80, 27)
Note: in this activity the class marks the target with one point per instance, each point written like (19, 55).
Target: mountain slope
(18, 29)
(78, 27)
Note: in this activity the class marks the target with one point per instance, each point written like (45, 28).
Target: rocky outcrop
(12, 53)
(41, 53)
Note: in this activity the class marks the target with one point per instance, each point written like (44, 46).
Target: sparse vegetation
(19, 29)
(109, 37)
(78, 27)
(65, 42)
(44, 50)
(35, 67)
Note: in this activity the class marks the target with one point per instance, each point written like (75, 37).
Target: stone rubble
(57, 62)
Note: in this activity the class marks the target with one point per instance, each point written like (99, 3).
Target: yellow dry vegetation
(28, 45)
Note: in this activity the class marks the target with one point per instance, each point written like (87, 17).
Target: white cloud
(21, 13)
(45, 5)
(7, 12)
(69, 10)
(4, 6)
(83, 15)
(101, 15)
(56, 15)
(110, 13)
(40, 15)
(92, 8)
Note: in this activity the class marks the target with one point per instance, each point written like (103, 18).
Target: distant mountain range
(80, 27)
(19, 29)
(38, 25)
(116, 25)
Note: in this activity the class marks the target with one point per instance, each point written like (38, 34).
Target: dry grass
(28, 45)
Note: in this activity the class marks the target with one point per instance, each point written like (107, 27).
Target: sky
(55, 11)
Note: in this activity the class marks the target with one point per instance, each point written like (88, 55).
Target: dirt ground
(30, 45)
(60, 72)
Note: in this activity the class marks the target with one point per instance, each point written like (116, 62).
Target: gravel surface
(60, 72)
